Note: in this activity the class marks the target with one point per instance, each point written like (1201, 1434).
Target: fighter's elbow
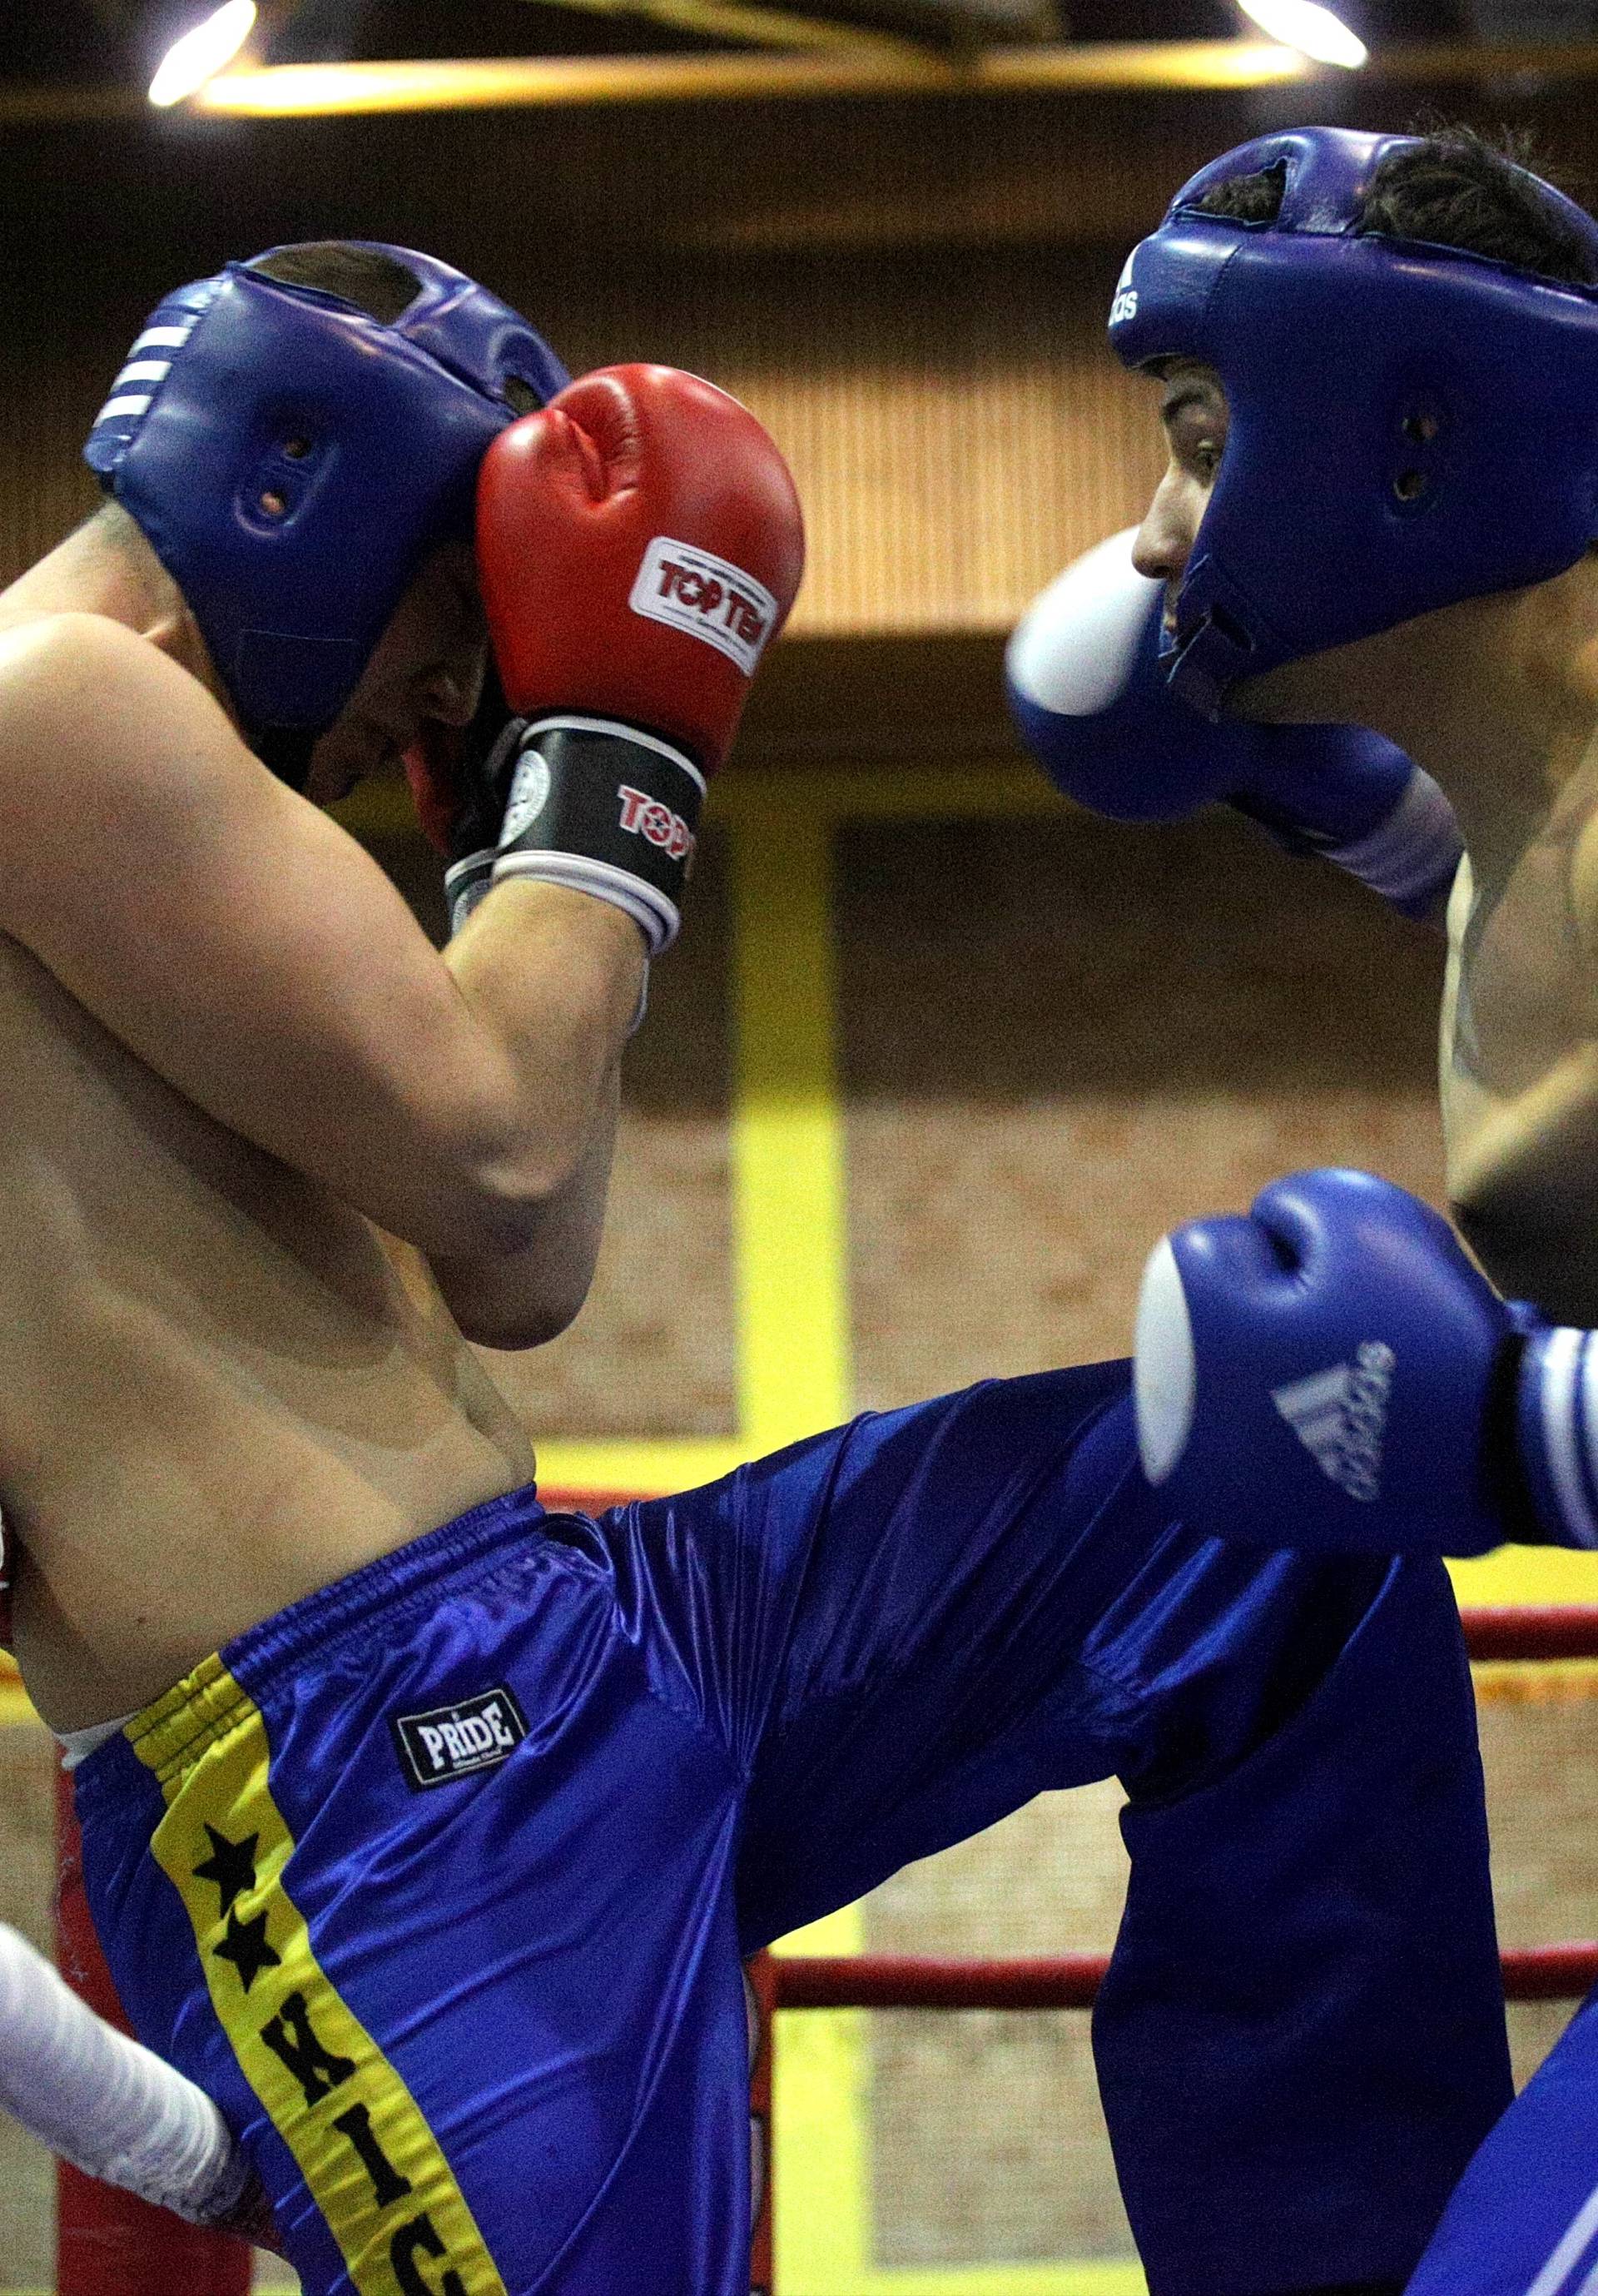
(495, 1200)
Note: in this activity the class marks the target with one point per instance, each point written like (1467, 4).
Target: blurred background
(938, 1059)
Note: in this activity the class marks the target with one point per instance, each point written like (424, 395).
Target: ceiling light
(189, 62)
(1314, 30)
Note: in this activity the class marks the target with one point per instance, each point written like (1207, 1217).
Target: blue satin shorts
(438, 1882)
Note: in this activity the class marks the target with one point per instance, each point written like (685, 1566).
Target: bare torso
(1519, 1061)
(219, 1387)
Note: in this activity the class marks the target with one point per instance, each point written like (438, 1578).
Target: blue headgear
(1409, 425)
(291, 459)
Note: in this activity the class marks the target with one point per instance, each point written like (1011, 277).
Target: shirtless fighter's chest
(1522, 989)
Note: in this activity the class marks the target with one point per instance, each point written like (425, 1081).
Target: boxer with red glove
(639, 545)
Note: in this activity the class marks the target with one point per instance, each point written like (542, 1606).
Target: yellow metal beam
(860, 70)
(860, 64)
(863, 67)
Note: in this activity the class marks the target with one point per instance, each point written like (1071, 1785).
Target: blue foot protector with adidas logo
(438, 1882)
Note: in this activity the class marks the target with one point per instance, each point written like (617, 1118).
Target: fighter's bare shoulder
(84, 677)
(105, 744)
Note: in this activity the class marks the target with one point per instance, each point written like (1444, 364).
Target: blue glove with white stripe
(1333, 1373)
(1088, 694)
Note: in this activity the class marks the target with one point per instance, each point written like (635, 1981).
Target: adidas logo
(1339, 1416)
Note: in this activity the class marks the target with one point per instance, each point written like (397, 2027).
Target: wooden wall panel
(1062, 1038)
(956, 435)
(911, 293)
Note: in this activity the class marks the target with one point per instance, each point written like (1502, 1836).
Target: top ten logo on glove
(693, 590)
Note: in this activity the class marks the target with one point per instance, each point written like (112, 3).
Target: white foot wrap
(104, 2103)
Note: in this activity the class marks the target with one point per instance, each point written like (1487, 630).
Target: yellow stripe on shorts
(373, 2164)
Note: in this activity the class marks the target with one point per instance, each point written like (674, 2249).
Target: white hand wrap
(1557, 1407)
(104, 2103)
(1412, 856)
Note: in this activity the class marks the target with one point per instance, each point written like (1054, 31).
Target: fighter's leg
(914, 1625)
(1308, 1939)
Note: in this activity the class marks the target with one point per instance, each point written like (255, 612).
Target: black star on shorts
(245, 1945)
(231, 1866)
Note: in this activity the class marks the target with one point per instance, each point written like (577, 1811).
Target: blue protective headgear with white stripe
(292, 460)
(1409, 425)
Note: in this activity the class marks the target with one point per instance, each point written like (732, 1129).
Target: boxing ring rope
(870, 1981)
(110, 2244)
(1530, 1637)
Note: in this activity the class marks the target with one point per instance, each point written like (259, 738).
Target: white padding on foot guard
(1163, 1374)
(104, 2103)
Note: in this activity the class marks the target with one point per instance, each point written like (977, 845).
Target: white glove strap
(656, 917)
(1414, 852)
(104, 2103)
(1559, 1431)
(464, 884)
(1076, 646)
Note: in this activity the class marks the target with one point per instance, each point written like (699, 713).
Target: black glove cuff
(606, 809)
(1508, 1490)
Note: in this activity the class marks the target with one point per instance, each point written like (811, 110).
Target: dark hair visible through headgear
(1453, 188)
(376, 284)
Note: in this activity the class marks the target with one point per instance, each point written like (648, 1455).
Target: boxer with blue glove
(1087, 689)
(1413, 549)
(1377, 359)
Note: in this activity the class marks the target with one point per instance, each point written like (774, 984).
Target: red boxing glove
(432, 767)
(458, 777)
(639, 544)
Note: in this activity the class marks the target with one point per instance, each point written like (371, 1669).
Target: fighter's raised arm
(243, 946)
(1086, 678)
(240, 942)
(639, 545)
